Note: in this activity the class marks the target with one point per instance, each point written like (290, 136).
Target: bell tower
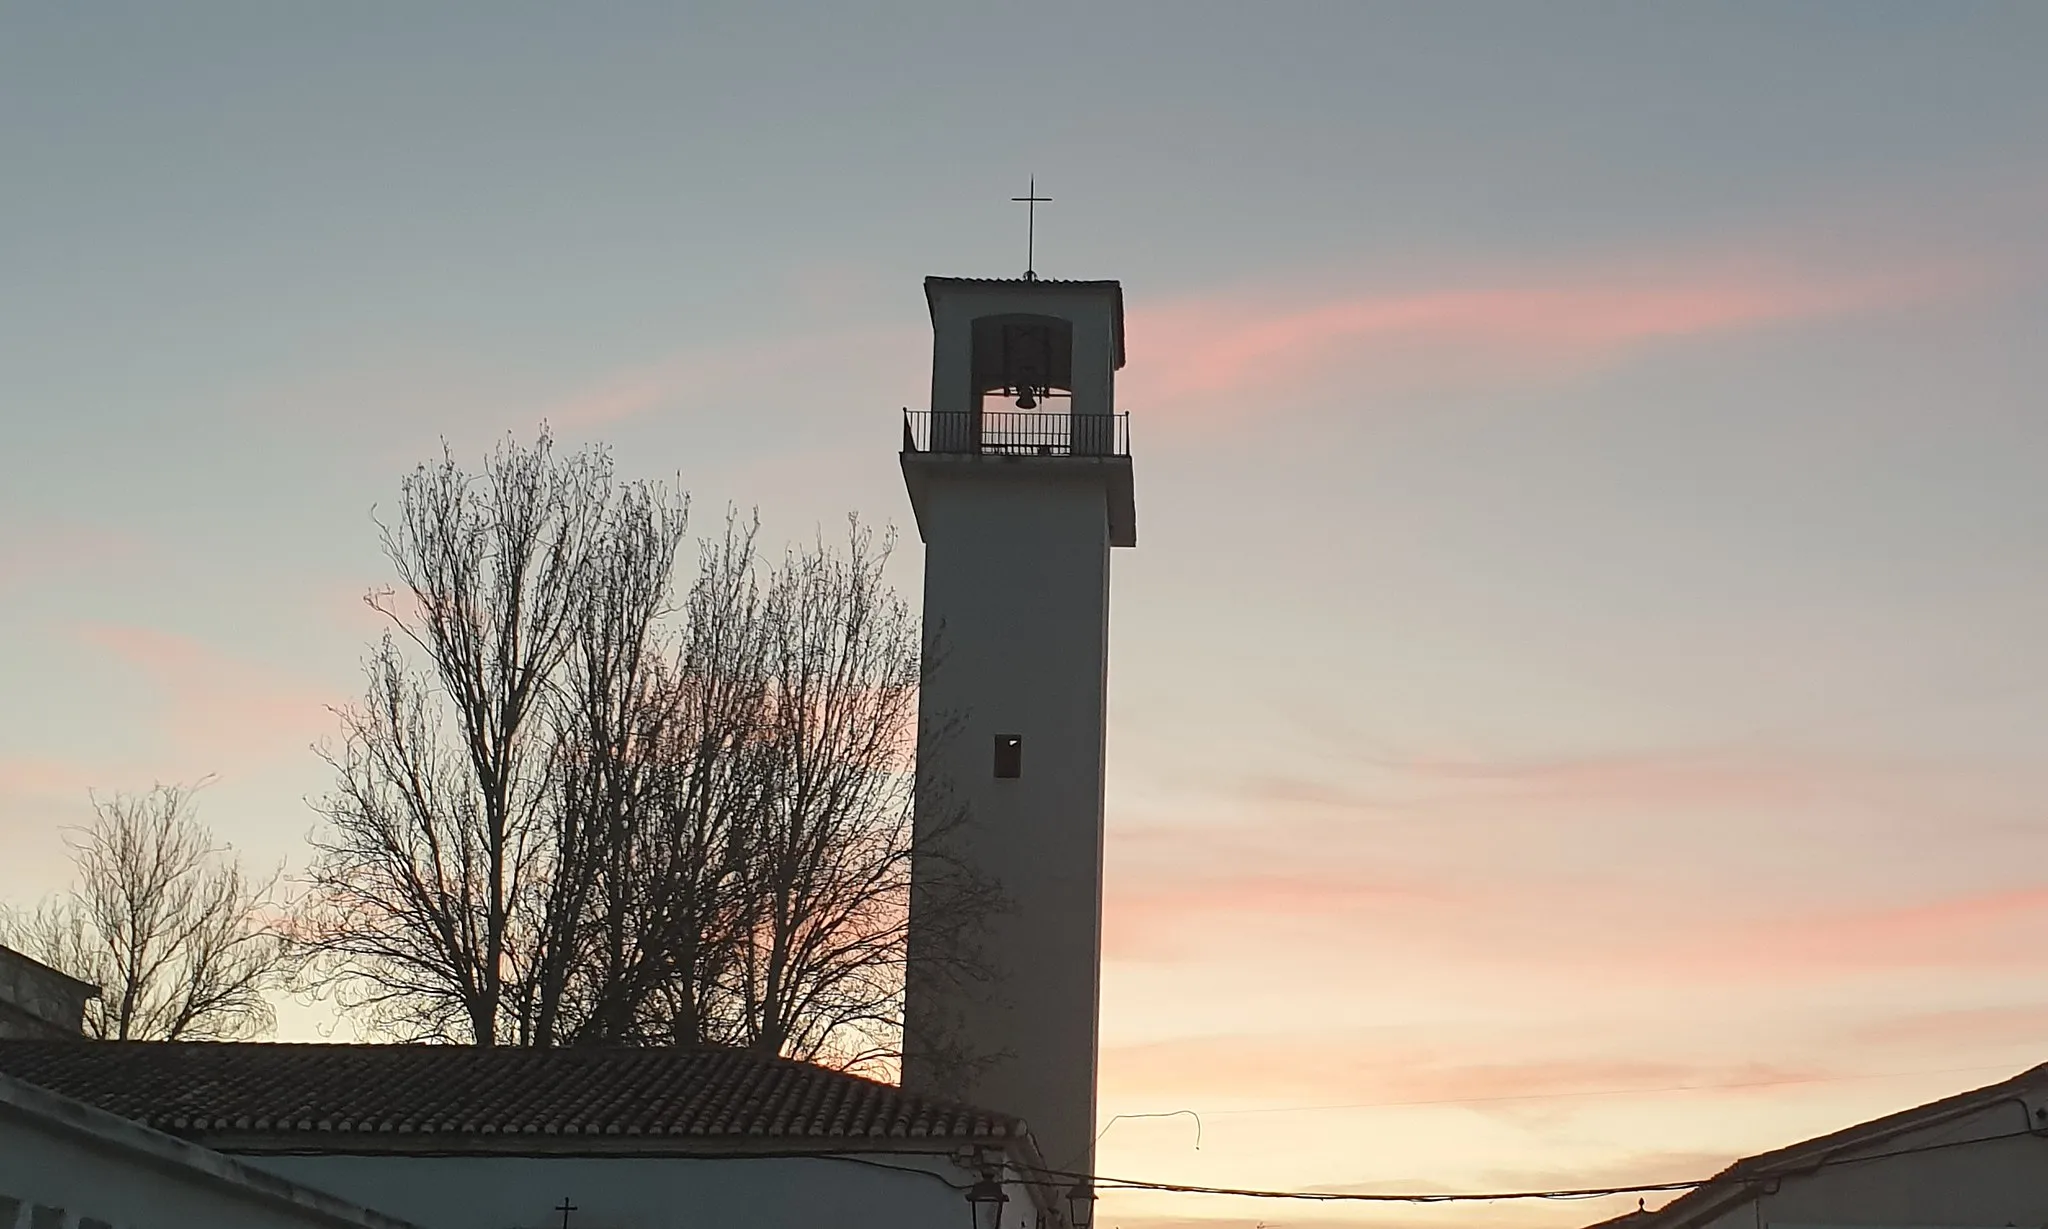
(1020, 476)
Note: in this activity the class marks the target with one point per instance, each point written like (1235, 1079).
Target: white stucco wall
(652, 1192)
(1016, 605)
(1958, 1174)
(56, 1154)
(1016, 609)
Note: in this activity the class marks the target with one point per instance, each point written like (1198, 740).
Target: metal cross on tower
(1031, 200)
(566, 1208)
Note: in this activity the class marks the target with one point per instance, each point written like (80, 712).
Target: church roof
(291, 1093)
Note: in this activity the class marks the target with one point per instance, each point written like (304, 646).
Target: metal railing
(1017, 433)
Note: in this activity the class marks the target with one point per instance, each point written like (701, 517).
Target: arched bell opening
(1023, 374)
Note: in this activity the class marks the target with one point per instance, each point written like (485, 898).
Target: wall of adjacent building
(866, 1191)
(1984, 1170)
(38, 1001)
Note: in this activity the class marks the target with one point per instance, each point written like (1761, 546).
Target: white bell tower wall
(1018, 522)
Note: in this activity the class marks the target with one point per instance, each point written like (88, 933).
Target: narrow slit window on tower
(1009, 755)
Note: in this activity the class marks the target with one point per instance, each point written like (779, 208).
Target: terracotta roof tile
(292, 1090)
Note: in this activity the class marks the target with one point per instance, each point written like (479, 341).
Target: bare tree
(612, 906)
(707, 805)
(743, 814)
(437, 820)
(164, 921)
(599, 815)
(828, 868)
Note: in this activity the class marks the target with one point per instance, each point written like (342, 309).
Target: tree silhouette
(163, 920)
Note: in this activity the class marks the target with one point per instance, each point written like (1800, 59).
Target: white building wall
(1016, 608)
(92, 1183)
(1960, 1174)
(62, 1163)
(860, 1191)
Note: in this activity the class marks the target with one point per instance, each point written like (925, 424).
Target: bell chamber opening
(1023, 370)
(1026, 360)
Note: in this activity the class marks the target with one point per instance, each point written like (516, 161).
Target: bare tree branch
(164, 921)
(593, 814)
(437, 820)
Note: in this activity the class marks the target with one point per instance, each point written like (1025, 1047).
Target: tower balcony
(1087, 454)
(1017, 433)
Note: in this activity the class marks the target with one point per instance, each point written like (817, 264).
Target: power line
(1757, 1178)
(1760, 1177)
(1116, 1118)
(1589, 1192)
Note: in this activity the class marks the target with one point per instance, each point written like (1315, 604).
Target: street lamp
(985, 1200)
(1080, 1204)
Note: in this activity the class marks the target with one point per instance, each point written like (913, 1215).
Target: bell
(1025, 401)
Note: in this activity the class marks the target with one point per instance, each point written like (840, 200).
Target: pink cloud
(1191, 354)
(734, 376)
(1157, 915)
(2004, 928)
(1659, 777)
(2006, 1024)
(1209, 346)
(1651, 774)
(217, 711)
(33, 776)
(1347, 812)
(1588, 930)
(1362, 1070)
(39, 797)
(30, 556)
(1454, 859)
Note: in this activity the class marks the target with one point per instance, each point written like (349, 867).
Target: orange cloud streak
(1178, 913)
(1217, 344)
(218, 710)
(1184, 894)
(30, 557)
(1163, 914)
(734, 377)
(1994, 929)
(1354, 1070)
(2009, 1024)
(1676, 778)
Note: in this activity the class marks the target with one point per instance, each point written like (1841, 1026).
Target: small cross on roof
(1031, 200)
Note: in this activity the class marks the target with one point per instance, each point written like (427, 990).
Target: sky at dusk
(1578, 706)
